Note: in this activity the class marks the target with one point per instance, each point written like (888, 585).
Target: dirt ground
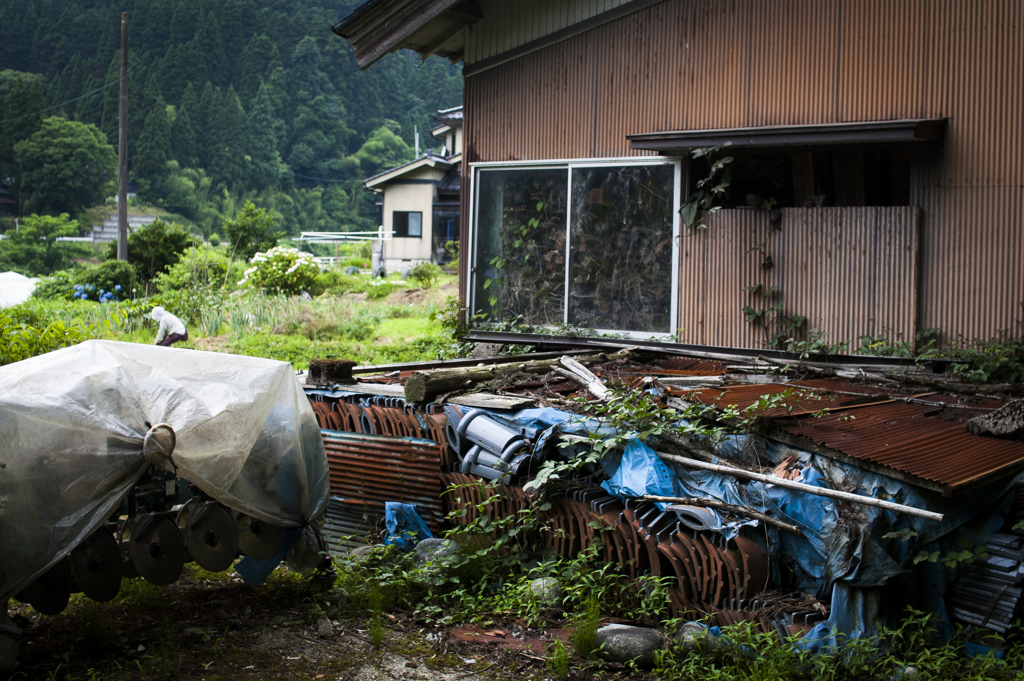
(215, 627)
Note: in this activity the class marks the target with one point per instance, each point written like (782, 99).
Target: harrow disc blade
(257, 539)
(50, 593)
(96, 566)
(211, 535)
(156, 550)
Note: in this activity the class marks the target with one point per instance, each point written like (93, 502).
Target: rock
(406, 271)
(330, 371)
(696, 636)
(1006, 422)
(324, 628)
(433, 550)
(487, 350)
(622, 643)
(547, 591)
(351, 271)
(361, 555)
(906, 673)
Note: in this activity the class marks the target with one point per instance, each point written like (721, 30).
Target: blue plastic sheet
(404, 526)
(255, 572)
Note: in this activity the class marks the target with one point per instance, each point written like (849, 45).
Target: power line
(57, 106)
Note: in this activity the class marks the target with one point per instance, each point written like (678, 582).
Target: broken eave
(863, 132)
(428, 27)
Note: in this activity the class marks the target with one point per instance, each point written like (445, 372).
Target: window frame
(407, 213)
(680, 185)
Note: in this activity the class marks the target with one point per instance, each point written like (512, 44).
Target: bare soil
(215, 628)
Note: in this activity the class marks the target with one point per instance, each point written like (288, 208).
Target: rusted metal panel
(850, 271)
(507, 25)
(368, 470)
(905, 437)
(703, 64)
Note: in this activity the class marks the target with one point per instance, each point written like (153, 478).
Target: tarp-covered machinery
(120, 459)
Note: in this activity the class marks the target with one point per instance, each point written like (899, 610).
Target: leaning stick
(800, 487)
(728, 508)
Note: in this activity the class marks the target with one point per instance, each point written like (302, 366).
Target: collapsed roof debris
(836, 496)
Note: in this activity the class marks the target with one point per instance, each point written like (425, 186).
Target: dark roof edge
(903, 130)
(352, 18)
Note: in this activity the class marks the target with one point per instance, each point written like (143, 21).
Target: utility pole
(122, 147)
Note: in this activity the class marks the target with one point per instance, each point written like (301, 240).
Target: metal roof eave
(861, 132)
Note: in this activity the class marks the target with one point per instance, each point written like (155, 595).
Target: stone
(433, 550)
(624, 643)
(406, 271)
(1006, 422)
(361, 555)
(330, 371)
(351, 271)
(487, 350)
(696, 636)
(547, 591)
(324, 628)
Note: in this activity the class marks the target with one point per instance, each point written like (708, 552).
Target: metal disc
(96, 566)
(157, 550)
(211, 535)
(50, 593)
(257, 539)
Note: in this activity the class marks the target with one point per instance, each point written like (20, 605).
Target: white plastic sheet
(72, 424)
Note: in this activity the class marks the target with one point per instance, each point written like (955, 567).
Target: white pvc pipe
(801, 487)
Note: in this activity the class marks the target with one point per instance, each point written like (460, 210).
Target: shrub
(116, 277)
(251, 231)
(381, 290)
(154, 247)
(425, 274)
(281, 270)
(199, 267)
(215, 239)
(337, 283)
(19, 340)
(58, 286)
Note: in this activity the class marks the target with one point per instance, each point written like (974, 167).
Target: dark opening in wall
(853, 175)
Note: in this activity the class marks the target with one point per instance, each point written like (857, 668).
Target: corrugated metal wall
(692, 64)
(850, 271)
(507, 25)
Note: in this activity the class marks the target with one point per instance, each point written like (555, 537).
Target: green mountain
(228, 100)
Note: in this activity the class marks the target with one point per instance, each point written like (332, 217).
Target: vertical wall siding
(850, 271)
(693, 64)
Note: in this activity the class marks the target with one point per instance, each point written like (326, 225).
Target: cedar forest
(229, 101)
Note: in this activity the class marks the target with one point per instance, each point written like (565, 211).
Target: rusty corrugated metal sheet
(507, 25)
(368, 470)
(910, 438)
(850, 271)
(698, 64)
(905, 438)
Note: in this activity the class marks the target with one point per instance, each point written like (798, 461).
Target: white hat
(157, 313)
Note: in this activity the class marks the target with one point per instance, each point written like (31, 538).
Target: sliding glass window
(585, 244)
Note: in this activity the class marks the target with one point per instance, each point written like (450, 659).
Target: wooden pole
(800, 487)
(122, 147)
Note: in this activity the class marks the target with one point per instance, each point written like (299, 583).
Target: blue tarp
(404, 526)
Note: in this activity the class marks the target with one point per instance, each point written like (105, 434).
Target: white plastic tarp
(72, 423)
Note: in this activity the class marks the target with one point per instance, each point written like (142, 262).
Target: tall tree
(154, 147)
(209, 46)
(262, 142)
(65, 165)
(209, 105)
(183, 138)
(259, 59)
(184, 22)
(22, 120)
(227, 138)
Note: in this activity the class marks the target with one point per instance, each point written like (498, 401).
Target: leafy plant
(425, 275)
(281, 270)
(557, 661)
(710, 191)
(250, 231)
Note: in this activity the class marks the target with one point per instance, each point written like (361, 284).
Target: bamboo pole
(800, 487)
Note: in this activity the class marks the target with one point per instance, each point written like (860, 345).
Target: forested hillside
(228, 100)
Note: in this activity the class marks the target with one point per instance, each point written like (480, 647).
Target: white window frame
(570, 164)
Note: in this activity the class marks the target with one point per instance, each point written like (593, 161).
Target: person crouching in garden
(171, 328)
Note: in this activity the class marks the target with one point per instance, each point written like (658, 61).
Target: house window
(407, 223)
(584, 244)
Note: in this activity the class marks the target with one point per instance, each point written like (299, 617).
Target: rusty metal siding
(507, 25)
(700, 64)
(850, 271)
